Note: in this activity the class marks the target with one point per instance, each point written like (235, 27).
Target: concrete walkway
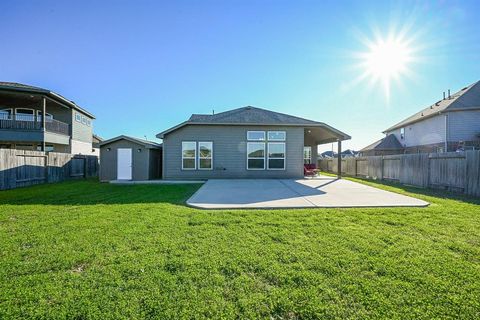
(321, 192)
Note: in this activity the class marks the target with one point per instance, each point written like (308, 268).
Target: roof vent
(449, 97)
(437, 103)
(422, 114)
(443, 95)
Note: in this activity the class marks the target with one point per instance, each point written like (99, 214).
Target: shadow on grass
(412, 190)
(92, 192)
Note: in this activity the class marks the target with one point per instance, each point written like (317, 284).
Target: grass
(85, 250)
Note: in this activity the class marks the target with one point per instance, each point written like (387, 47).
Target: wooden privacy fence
(20, 168)
(455, 171)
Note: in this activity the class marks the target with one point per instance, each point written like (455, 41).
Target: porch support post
(44, 113)
(339, 160)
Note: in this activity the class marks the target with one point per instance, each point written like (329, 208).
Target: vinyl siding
(80, 131)
(229, 152)
(428, 131)
(108, 160)
(463, 125)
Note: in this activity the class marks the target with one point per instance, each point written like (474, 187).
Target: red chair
(309, 169)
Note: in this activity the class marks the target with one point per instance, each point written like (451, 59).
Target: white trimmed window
(78, 117)
(402, 133)
(6, 114)
(276, 135)
(256, 135)
(205, 155)
(276, 156)
(307, 155)
(189, 155)
(48, 118)
(255, 156)
(24, 114)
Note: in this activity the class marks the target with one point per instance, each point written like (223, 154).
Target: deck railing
(31, 122)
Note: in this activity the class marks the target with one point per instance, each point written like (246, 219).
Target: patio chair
(309, 170)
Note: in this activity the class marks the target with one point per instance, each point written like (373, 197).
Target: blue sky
(142, 66)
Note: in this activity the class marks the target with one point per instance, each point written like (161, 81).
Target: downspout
(446, 132)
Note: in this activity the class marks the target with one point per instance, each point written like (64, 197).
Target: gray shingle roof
(252, 116)
(143, 142)
(14, 86)
(390, 142)
(467, 98)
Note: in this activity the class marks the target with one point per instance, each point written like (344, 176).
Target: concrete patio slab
(321, 192)
(157, 181)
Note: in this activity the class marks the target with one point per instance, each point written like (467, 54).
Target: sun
(386, 60)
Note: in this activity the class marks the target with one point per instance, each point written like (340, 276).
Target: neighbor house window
(256, 135)
(23, 114)
(19, 146)
(307, 155)
(205, 155)
(276, 155)
(84, 120)
(6, 114)
(89, 122)
(402, 133)
(48, 148)
(276, 135)
(189, 155)
(255, 156)
(48, 118)
(78, 117)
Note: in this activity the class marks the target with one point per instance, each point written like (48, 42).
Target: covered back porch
(317, 135)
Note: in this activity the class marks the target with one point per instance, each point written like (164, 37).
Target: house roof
(252, 116)
(467, 98)
(145, 143)
(19, 87)
(328, 154)
(390, 142)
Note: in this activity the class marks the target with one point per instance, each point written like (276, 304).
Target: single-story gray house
(128, 158)
(247, 142)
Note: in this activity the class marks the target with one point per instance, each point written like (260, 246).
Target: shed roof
(142, 142)
(467, 98)
(390, 142)
(252, 116)
(19, 87)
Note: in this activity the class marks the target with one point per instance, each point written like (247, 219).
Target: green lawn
(87, 250)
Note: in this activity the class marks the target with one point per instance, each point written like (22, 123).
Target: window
(6, 114)
(307, 155)
(205, 155)
(256, 135)
(48, 118)
(23, 114)
(276, 156)
(78, 117)
(89, 122)
(48, 148)
(276, 135)
(189, 155)
(402, 133)
(84, 120)
(255, 156)
(19, 146)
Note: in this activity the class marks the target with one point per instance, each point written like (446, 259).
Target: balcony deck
(33, 123)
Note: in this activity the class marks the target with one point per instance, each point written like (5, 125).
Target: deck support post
(44, 113)
(339, 159)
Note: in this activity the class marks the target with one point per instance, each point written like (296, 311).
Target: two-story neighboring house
(450, 124)
(33, 118)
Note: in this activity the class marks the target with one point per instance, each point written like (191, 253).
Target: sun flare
(386, 60)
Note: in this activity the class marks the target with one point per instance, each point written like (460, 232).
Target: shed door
(124, 164)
